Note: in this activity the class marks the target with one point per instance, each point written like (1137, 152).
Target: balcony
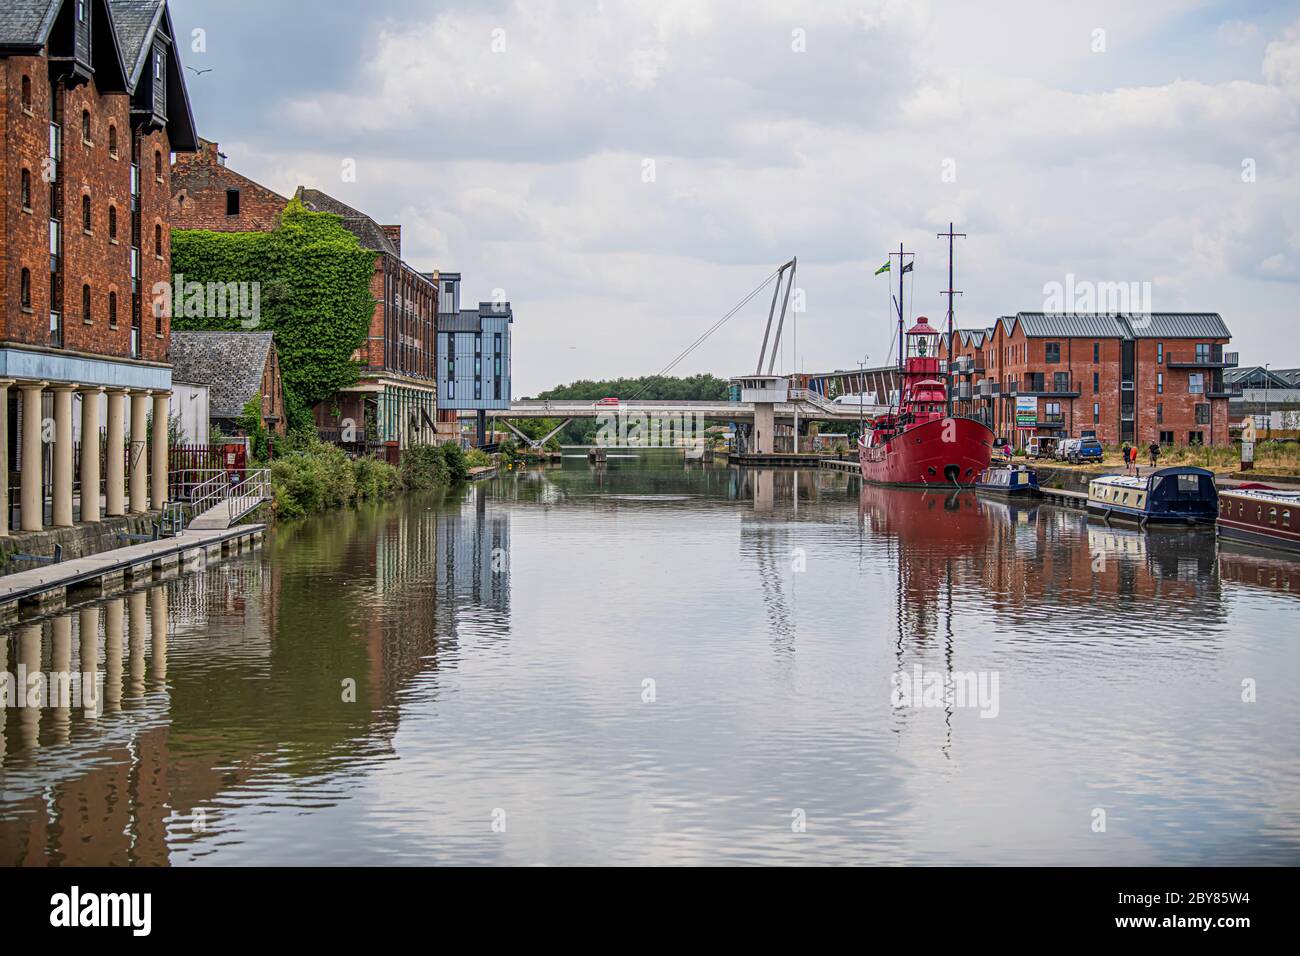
(988, 389)
(962, 391)
(1223, 390)
(1050, 420)
(1215, 358)
(1064, 386)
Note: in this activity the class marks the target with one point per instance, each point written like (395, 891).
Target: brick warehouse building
(395, 398)
(92, 105)
(1127, 378)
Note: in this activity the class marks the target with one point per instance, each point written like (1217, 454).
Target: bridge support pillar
(482, 428)
(764, 428)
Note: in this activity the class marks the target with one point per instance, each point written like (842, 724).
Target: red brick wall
(199, 183)
(1014, 356)
(89, 257)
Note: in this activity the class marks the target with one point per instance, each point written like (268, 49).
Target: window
(1196, 383)
(157, 165)
(112, 140)
(157, 66)
(1203, 352)
(1096, 353)
(1166, 438)
(1195, 438)
(112, 310)
(1286, 519)
(232, 202)
(27, 189)
(25, 289)
(157, 240)
(27, 93)
(85, 212)
(1160, 413)
(1203, 414)
(1096, 413)
(81, 11)
(1160, 383)
(112, 224)
(1160, 353)
(478, 389)
(85, 126)
(1096, 382)
(85, 304)
(1052, 351)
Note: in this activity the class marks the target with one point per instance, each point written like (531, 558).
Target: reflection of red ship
(922, 443)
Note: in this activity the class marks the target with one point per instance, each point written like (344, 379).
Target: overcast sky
(1110, 140)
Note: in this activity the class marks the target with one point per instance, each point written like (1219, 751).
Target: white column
(4, 457)
(114, 478)
(139, 465)
(33, 494)
(62, 510)
(158, 466)
(90, 454)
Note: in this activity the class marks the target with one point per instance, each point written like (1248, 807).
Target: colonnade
(136, 488)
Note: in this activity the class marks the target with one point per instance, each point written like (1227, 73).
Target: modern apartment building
(1138, 378)
(473, 355)
(92, 106)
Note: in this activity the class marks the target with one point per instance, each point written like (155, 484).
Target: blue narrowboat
(1011, 481)
(1168, 495)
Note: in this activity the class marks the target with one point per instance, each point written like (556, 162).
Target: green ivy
(315, 297)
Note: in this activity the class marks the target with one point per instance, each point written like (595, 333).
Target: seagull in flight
(200, 72)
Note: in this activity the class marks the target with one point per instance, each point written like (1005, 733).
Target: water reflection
(370, 687)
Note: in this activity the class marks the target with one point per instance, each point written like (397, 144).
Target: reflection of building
(472, 569)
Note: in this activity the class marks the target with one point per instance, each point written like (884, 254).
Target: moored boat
(1261, 515)
(1171, 494)
(1011, 481)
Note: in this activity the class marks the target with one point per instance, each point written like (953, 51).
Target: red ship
(922, 442)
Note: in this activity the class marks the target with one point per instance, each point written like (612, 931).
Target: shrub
(423, 467)
(454, 457)
(477, 458)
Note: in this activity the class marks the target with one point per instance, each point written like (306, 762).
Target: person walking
(1154, 452)
(1124, 451)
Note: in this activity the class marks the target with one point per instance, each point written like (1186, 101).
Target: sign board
(1248, 430)
(1026, 411)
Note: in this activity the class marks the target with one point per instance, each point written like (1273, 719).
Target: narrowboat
(1011, 481)
(1261, 515)
(1170, 494)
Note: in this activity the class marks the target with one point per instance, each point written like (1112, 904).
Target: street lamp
(1268, 422)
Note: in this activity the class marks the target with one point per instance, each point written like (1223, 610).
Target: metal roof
(1178, 325)
(1101, 325)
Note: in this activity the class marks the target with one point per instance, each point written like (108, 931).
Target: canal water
(658, 663)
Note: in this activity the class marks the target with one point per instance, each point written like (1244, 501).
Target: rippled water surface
(654, 664)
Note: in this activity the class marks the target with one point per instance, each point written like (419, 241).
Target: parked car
(1064, 447)
(1041, 446)
(608, 401)
(1080, 449)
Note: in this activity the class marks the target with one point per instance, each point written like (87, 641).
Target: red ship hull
(939, 453)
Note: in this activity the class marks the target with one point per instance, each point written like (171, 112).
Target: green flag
(884, 268)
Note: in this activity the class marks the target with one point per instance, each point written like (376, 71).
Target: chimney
(394, 234)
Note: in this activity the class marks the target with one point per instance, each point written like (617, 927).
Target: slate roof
(368, 232)
(231, 364)
(26, 23)
(135, 21)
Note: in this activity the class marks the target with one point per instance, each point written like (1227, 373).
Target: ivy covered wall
(313, 293)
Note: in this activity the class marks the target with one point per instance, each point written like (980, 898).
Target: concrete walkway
(47, 583)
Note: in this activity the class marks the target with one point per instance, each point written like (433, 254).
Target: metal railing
(239, 493)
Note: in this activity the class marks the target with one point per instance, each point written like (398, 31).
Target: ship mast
(950, 292)
(898, 305)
